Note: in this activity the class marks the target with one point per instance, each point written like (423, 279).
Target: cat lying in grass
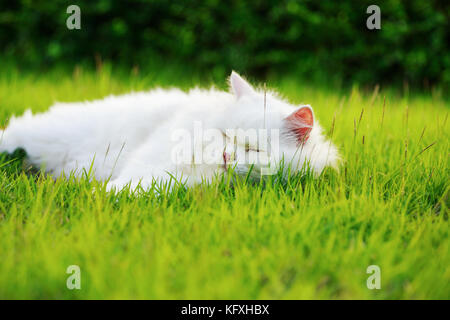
(137, 138)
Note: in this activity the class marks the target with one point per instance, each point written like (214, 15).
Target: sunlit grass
(302, 238)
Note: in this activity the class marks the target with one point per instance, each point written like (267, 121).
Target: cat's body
(133, 138)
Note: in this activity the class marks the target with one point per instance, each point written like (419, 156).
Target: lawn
(304, 238)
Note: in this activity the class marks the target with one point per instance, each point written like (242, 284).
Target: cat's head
(264, 132)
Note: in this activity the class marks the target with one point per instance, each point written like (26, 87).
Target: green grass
(296, 239)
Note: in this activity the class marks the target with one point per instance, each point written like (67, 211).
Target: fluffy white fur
(128, 138)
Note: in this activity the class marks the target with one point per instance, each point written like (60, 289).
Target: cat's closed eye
(249, 148)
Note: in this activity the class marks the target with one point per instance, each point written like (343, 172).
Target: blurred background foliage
(313, 40)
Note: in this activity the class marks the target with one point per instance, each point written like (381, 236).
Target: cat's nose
(226, 157)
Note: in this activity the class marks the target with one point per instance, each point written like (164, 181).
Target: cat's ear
(239, 86)
(300, 123)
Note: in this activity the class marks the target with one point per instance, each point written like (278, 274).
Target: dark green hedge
(303, 37)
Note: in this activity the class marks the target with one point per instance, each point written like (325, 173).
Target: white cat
(140, 137)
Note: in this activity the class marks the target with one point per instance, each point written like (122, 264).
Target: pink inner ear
(301, 123)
